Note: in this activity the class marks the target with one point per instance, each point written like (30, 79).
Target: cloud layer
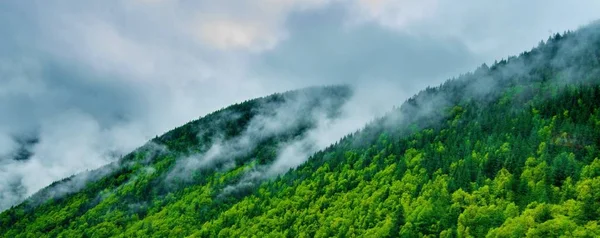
(91, 80)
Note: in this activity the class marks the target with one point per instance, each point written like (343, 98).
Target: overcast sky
(93, 79)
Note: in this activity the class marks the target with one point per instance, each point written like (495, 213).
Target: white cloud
(226, 35)
(259, 26)
(487, 28)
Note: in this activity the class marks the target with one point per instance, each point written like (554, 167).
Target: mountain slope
(509, 150)
(518, 160)
(205, 155)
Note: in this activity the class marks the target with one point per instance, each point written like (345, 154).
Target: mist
(290, 117)
(84, 83)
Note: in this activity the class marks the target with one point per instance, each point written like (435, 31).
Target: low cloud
(367, 102)
(286, 114)
(93, 80)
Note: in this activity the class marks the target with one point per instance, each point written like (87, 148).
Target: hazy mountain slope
(509, 150)
(518, 160)
(205, 155)
(516, 173)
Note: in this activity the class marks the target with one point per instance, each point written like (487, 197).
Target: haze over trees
(509, 150)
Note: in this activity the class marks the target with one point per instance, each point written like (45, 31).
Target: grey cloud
(367, 52)
(104, 76)
(92, 82)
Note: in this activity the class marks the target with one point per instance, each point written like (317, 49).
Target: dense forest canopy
(509, 150)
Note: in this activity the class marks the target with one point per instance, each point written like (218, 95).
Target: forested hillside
(199, 160)
(510, 150)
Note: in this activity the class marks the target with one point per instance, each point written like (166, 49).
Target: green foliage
(454, 161)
